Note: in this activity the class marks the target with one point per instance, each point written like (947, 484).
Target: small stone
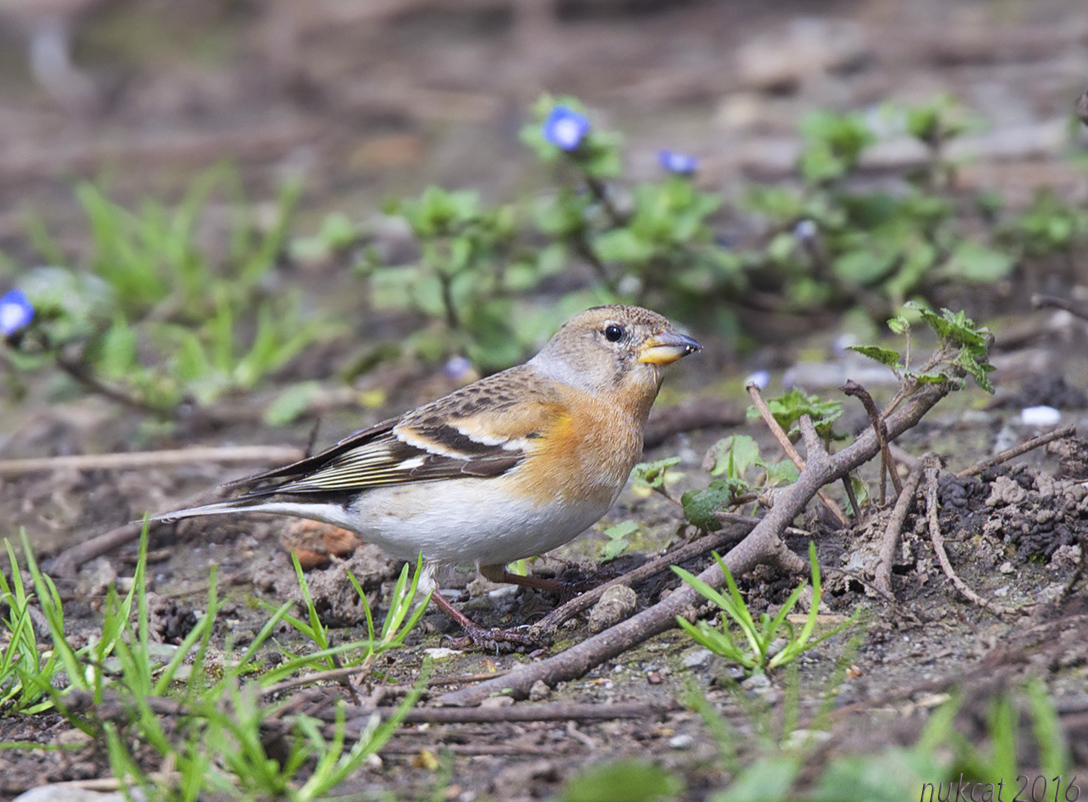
(1004, 491)
(654, 678)
(616, 604)
(681, 741)
(440, 653)
(800, 738)
(503, 593)
(1068, 556)
(74, 738)
(539, 691)
(1040, 416)
(1006, 567)
(497, 701)
(756, 682)
(697, 658)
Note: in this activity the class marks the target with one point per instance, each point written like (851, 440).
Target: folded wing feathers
(392, 460)
(474, 432)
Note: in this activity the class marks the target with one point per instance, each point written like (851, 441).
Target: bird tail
(316, 511)
(216, 508)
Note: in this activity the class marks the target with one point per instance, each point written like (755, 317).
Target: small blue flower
(805, 230)
(16, 312)
(679, 163)
(459, 369)
(760, 379)
(565, 128)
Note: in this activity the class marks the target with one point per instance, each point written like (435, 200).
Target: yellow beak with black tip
(666, 347)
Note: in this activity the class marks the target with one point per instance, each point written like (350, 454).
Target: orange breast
(585, 453)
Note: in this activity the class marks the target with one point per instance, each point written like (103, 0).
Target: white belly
(459, 523)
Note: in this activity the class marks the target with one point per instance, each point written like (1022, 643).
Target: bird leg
(482, 636)
(565, 590)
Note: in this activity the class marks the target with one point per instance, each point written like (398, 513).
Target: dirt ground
(368, 102)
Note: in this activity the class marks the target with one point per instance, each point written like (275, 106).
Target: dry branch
(788, 447)
(932, 468)
(1016, 451)
(138, 460)
(887, 464)
(883, 575)
(733, 532)
(763, 544)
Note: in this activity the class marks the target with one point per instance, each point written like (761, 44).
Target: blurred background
(369, 98)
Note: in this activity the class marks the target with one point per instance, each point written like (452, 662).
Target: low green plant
(203, 713)
(754, 649)
(619, 539)
(149, 317)
(732, 460)
(629, 780)
(405, 611)
(963, 350)
(833, 244)
(24, 669)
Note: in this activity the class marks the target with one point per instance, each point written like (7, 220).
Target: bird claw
(500, 641)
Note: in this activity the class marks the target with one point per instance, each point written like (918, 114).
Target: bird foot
(500, 641)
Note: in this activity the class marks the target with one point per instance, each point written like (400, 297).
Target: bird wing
(484, 429)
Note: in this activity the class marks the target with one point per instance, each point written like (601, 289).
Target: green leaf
(864, 266)
(652, 474)
(622, 245)
(291, 403)
(701, 505)
(733, 456)
(769, 779)
(781, 473)
(885, 356)
(618, 539)
(787, 410)
(622, 781)
(978, 264)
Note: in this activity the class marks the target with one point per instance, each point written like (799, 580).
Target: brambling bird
(511, 466)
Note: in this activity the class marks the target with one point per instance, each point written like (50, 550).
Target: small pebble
(497, 701)
(616, 604)
(681, 741)
(539, 691)
(68, 793)
(697, 658)
(440, 653)
(1040, 416)
(755, 682)
(799, 738)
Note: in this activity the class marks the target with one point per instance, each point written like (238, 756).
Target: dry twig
(932, 468)
(791, 452)
(887, 464)
(582, 602)
(1043, 301)
(883, 575)
(699, 414)
(1016, 451)
(139, 460)
(548, 711)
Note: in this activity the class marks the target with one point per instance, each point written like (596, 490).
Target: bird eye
(613, 333)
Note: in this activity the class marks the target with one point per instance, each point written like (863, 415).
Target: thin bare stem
(932, 468)
(1016, 451)
(791, 452)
